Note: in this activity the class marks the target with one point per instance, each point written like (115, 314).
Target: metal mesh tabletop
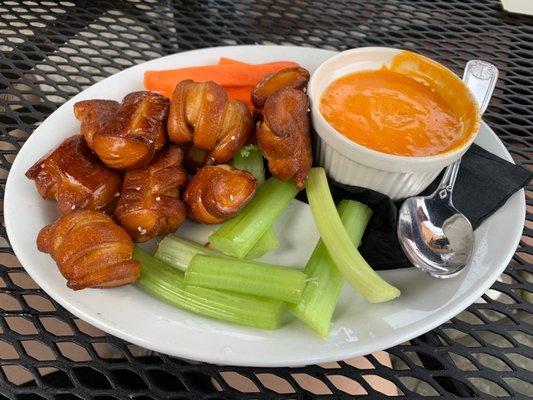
(51, 50)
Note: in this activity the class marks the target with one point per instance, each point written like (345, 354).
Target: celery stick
(178, 252)
(246, 277)
(250, 159)
(167, 283)
(346, 257)
(324, 281)
(266, 243)
(237, 236)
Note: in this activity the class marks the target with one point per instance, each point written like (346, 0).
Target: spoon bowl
(436, 237)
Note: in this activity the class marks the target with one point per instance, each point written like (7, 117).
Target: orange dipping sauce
(392, 113)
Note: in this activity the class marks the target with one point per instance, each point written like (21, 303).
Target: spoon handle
(445, 187)
(480, 77)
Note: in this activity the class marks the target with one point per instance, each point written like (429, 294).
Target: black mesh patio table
(52, 50)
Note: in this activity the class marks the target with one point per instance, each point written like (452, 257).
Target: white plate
(359, 328)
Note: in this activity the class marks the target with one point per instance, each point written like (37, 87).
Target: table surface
(51, 50)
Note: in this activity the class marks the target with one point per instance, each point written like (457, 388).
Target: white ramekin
(348, 162)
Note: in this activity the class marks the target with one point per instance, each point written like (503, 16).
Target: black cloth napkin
(484, 183)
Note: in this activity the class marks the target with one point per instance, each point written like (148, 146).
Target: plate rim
(183, 351)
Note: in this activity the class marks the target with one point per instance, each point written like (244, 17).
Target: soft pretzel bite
(135, 133)
(202, 115)
(284, 135)
(296, 78)
(218, 192)
(150, 202)
(94, 115)
(90, 250)
(73, 176)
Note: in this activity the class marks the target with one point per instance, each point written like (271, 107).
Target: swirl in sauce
(392, 113)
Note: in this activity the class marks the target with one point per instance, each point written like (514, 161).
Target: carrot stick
(230, 61)
(281, 64)
(224, 75)
(240, 93)
(166, 92)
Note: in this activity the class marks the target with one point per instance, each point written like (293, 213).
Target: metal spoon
(434, 235)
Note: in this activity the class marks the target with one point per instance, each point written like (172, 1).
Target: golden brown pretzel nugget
(135, 133)
(284, 135)
(217, 193)
(76, 178)
(150, 203)
(202, 115)
(90, 250)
